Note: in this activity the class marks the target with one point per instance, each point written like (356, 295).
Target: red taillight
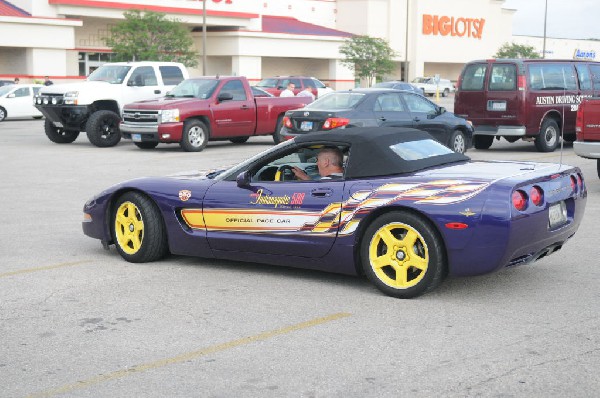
(335, 122)
(579, 121)
(287, 122)
(521, 83)
(519, 200)
(537, 195)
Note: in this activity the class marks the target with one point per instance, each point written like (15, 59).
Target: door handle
(382, 118)
(244, 107)
(416, 119)
(321, 192)
(156, 91)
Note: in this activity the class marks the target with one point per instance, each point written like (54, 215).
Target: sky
(569, 19)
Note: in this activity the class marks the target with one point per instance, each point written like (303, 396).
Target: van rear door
(469, 101)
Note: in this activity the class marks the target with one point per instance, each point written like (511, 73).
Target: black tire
(239, 140)
(102, 128)
(37, 117)
(146, 145)
(195, 136)
(138, 229)
(445, 92)
(598, 167)
(58, 134)
(3, 114)
(277, 138)
(416, 267)
(571, 137)
(549, 136)
(458, 142)
(483, 141)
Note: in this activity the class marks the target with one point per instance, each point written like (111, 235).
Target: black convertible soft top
(372, 151)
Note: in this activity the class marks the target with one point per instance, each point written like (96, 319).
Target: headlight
(71, 97)
(169, 116)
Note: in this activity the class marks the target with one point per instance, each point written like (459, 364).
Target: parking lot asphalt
(78, 321)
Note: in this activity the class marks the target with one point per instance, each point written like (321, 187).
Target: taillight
(519, 200)
(521, 83)
(537, 195)
(287, 122)
(579, 120)
(335, 122)
(573, 183)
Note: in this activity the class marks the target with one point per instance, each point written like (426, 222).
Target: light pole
(204, 37)
(545, 18)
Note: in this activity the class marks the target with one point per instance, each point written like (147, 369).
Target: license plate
(136, 137)
(557, 215)
(306, 126)
(498, 106)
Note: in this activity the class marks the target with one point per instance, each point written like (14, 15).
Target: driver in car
(329, 163)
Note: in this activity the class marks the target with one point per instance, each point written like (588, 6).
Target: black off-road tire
(396, 272)
(102, 128)
(138, 228)
(195, 136)
(58, 134)
(483, 141)
(146, 145)
(549, 136)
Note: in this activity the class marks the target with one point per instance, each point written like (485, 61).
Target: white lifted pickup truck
(95, 105)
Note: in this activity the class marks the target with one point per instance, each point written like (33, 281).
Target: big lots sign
(459, 27)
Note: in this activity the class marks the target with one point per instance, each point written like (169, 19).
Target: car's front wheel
(195, 136)
(458, 142)
(2, 113)
(138, 229)
(446, 92)
(102, 128)
(403, 255)
(59, 135)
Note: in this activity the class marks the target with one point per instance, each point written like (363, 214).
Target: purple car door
(296, 218)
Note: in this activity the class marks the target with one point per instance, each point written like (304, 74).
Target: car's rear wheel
(445, 93)
(3, 114)
(277, 137)
(138, 229)
(402, 255)
(195, 136)
(483, 141)
(547, 139)
(102, 128)
(458, 142)
(58, 134)
(146, 145)
(239, 140)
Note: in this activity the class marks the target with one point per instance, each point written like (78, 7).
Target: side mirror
(243, 179)
(441, 110)
(224, 97)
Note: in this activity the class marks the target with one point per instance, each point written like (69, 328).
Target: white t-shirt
(287, 93)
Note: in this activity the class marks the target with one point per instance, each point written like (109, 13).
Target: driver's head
(329, 160)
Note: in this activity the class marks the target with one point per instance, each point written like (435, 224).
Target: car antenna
(562, 127)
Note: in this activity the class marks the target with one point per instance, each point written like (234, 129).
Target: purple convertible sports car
(406, 212)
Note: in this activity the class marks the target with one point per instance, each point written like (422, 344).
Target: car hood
(164, 102)
(81, 86)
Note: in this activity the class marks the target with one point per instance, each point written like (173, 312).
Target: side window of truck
(595, 70)
(552, 77)
(585, 80)
(473, 77)
(171, 75)
(236, 88)
(503, 77)
(143, 76)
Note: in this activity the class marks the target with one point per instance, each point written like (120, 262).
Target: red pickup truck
(587, 130)
(206, 109)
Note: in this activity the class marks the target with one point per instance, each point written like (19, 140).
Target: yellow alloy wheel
(398, 255)
(129, 227)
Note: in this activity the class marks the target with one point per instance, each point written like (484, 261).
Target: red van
(530, 99)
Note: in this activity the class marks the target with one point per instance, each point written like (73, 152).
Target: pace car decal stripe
(344, 217)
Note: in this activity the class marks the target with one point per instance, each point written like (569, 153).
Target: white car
(17, 101)
(429, 86)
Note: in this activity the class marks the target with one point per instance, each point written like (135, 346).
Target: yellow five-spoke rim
(398, 255)
(129, 227)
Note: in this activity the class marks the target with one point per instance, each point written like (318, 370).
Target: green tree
(369, 57)
(514, 50)
(151, 36)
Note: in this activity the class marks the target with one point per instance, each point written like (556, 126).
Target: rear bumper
(585, 149)
(511, 131)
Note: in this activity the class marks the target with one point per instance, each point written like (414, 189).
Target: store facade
(259, 38)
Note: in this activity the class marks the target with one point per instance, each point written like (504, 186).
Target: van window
(544, 76)
(595, 69)
(473, 77)
(503, 77)
(585, 80)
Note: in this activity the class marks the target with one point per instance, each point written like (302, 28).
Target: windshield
(194, 88)
(336, 101)
(269, 83)
(5, 89)
(113, 74)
